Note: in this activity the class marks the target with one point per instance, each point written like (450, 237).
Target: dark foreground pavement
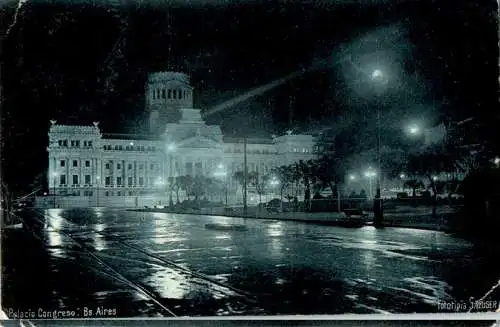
(104, 263)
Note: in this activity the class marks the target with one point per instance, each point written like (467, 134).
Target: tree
(284, 176)
(307, 169)
(200, 186)
(260, 182)
(186, 184)
(435, 160)
(239, 176)
(413, 184)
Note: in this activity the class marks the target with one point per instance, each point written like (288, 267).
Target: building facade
(94, 168)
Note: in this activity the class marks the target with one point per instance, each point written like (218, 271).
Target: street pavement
(107, 263)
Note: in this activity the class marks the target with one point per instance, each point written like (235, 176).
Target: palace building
(89, 167)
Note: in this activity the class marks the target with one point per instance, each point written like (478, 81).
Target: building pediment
(199, 142)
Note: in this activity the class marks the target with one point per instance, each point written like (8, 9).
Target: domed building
(88, 167)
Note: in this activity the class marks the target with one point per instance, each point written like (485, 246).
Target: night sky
(82, 62)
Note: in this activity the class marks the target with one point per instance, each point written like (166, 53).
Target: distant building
(94, 168)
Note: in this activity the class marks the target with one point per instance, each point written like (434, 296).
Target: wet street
(102, 263)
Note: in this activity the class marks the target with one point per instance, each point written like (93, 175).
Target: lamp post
(221, 172)
(378, 78)
(370, 174)
(98, 178)
(54, 174)
(403, 177)
(170, 151)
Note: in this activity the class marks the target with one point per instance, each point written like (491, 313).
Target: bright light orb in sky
(377, 74)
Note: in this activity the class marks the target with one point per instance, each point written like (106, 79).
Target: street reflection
(169, 284)
(54, 223)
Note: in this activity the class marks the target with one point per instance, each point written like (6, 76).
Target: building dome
(167, 93)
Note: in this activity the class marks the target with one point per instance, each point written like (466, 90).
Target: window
(77, 143)
(179, 94)
(153, 148)
(130, 193)
(62, 179)
(199, 168)
(185, 94)
(141, 166)
(107, 181)
(89, 143)
(174, 94)
(75, 179)
(119, 193)
(108, 165)
(75, 163)
(118, 181)
(163, 94)
(60, 142)
(129, 166)
(118, 166)
(189, 168)
(72, 143)
(63, 163)
(142, 147)
(65, 143)
(154, 96)
(169, 93)
(106, 193)
(151, 166)
(141, 181)
(87, 180)
(87, 163)
(130, 181)
(116, 147)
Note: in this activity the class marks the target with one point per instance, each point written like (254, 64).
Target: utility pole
(245, 208)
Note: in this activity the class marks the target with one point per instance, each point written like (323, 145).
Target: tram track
(160, 261)
(116, 274)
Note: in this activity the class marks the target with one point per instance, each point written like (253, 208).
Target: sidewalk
(419, 219)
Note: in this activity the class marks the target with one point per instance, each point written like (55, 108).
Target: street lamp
(497, 161)
(54, 174)
(352, 177)
(414, 130)
(98, 178)
(370, 174)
